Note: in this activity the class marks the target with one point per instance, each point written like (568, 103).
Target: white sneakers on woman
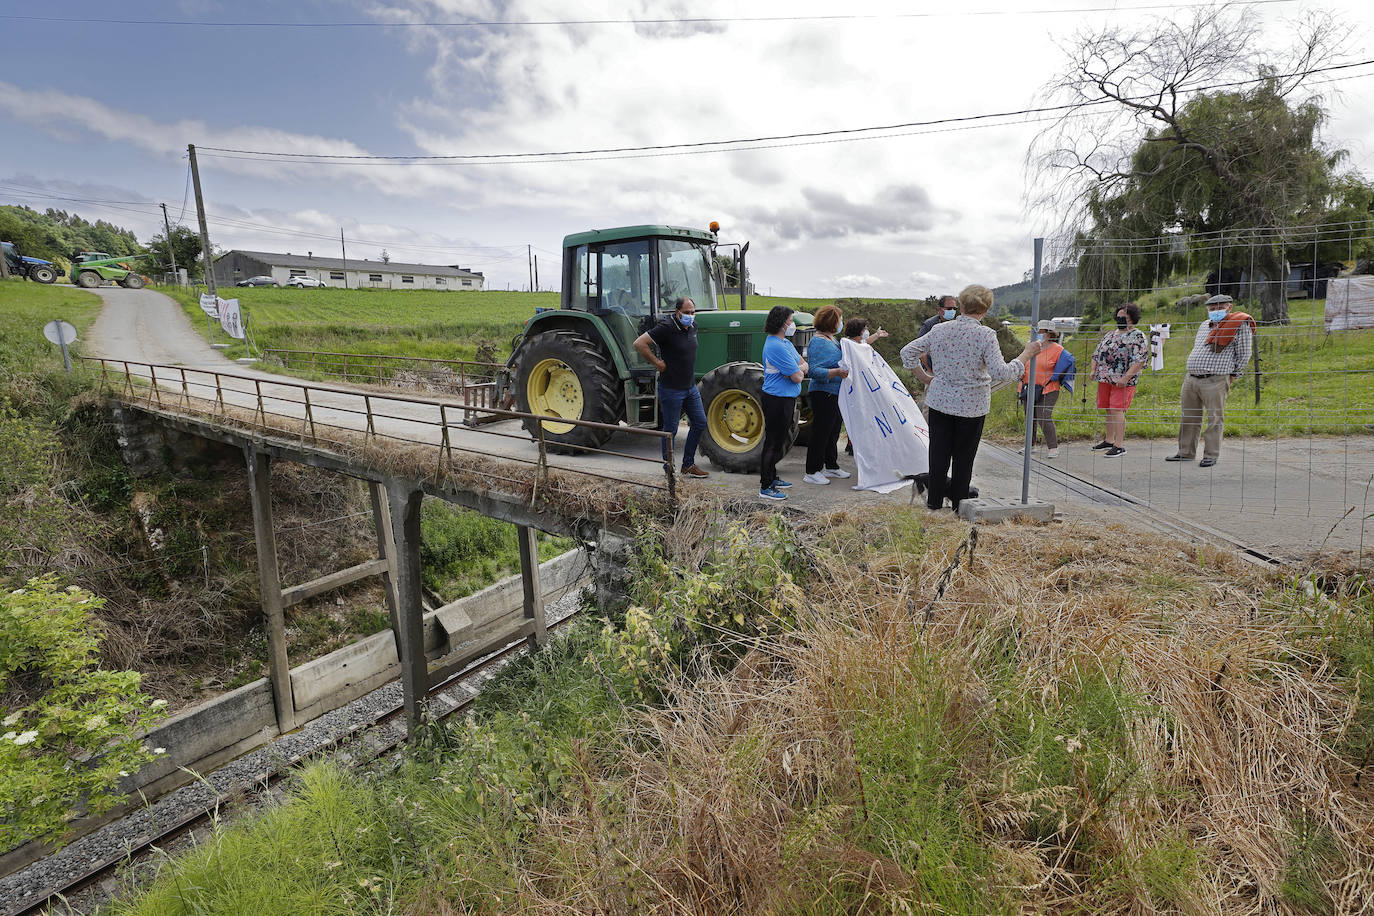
(819, 480)
(837, 473)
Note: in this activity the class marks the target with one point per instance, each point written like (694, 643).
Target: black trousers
(953, 446)
(823, 451)
(777, 422)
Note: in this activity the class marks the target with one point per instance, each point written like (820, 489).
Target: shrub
(70, 728)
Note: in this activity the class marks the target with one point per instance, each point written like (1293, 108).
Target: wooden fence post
(269, 579)
(386, 550)
(528, 539)
(404, 502)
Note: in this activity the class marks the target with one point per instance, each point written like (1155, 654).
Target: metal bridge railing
(476, 382)
(354, 419)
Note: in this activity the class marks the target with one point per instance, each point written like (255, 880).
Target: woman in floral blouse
(1117, 363)
(966, 361)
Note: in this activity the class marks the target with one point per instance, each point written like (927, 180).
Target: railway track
(388, 729)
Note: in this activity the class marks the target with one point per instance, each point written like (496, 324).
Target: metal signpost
(61, 333)
(1030, 382)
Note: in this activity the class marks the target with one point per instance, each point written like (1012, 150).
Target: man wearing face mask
(675, 336)
(1221, 351)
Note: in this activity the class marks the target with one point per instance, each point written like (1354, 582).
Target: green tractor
(578, 362)
(92, 268)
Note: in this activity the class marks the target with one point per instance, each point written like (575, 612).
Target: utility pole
(536, 273)
(204, 228)
(171, 249)
(344, 249)
(529, 260)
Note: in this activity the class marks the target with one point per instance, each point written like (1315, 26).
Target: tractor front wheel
(566, 375)
(733, 397)
(42, 273)
(132, 281)
(88, 279)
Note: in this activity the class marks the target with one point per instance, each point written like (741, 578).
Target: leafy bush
(71, 727)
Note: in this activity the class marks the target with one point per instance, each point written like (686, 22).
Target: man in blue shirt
(675, 336)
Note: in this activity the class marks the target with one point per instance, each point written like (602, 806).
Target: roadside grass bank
(416, 323)
(1311, 382)
(869, 713)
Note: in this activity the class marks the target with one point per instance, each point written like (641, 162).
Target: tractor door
(625, 288)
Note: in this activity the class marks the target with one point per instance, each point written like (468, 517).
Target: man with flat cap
(1221, 351)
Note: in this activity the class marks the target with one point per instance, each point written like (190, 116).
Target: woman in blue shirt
(823, 353)
(783, 371)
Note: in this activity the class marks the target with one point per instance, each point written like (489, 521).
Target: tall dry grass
(1088, 720)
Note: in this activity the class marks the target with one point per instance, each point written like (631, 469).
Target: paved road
(1287, 497)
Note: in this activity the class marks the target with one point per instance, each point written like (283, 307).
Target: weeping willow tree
(1186, 142)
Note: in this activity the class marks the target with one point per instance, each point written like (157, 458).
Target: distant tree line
(56, 235)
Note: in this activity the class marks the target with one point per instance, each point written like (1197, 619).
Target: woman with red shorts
(1117, 363)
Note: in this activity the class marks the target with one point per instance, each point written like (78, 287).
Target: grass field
(30, 366)
(1310, 382)
(423, 323)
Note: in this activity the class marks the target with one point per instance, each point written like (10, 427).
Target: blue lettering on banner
(897, 387)
(901, 418)
(868, 381)
(883, 425)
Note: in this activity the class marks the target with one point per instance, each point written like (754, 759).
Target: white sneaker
(1052, 453)
(839, 473)
(819, 480)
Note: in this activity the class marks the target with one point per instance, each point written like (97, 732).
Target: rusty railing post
(219, 395)
(309, 415)
(153, 392)
(371, 432)
(185, 391)
(541, 469)
(445, 446)
(261, 410)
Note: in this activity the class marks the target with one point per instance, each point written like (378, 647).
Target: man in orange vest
(1055, 368)
(1220, 351)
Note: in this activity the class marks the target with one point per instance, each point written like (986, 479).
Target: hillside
(1058, 295)
(55, 235)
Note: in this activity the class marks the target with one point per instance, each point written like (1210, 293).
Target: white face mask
(789, 330)
(864, 338)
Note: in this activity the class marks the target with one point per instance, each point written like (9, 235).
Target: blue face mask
(1040, 336)
(949, 314)
(1217, 315)
(687, 320)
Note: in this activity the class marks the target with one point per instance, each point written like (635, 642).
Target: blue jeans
(672, 402)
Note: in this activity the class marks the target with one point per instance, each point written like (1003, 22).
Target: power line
(683, 20)
(738, 143)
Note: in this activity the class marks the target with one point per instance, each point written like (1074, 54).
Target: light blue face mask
(949, 314)
(687, 320)
(1040, 336)
(1216, 314)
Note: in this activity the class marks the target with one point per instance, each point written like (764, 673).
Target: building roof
(276, 259)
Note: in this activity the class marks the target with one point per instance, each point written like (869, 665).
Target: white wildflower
(96, 721)
(73, 588)
(123, 772)
(7, 736)
(11, 719)
(17, 591)
(158, 704)
(26, 738)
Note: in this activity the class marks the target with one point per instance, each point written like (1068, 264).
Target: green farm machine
(93, 268)
(578, 362)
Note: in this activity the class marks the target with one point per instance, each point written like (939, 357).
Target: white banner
(891, 440)
(1158, 334)
(209, 305)
(230, 319)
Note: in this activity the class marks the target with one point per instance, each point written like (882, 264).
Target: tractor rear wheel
(733, 397)
(565, 374)
(42, 273)
(88, 279)
(132, 281)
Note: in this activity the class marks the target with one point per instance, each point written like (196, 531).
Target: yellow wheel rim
(735, 421)
(554, 390)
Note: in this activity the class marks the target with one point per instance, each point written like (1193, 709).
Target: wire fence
(1298, 422)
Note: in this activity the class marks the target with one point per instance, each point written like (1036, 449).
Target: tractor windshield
(684, 269)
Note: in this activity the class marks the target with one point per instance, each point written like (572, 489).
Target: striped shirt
(1230, 361)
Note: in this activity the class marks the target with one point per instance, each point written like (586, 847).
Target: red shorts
(1111, 397)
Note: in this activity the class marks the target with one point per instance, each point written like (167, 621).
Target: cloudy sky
(101, 113)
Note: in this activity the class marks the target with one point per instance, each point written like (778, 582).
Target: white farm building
(236, 265)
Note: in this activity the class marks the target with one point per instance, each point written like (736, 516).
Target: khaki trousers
(1203, 395)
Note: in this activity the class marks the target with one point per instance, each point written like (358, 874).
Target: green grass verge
(31, 375)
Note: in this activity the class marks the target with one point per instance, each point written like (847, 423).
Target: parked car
(304, 282)
(257, 281)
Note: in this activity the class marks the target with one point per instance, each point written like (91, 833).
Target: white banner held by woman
(890, 437)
